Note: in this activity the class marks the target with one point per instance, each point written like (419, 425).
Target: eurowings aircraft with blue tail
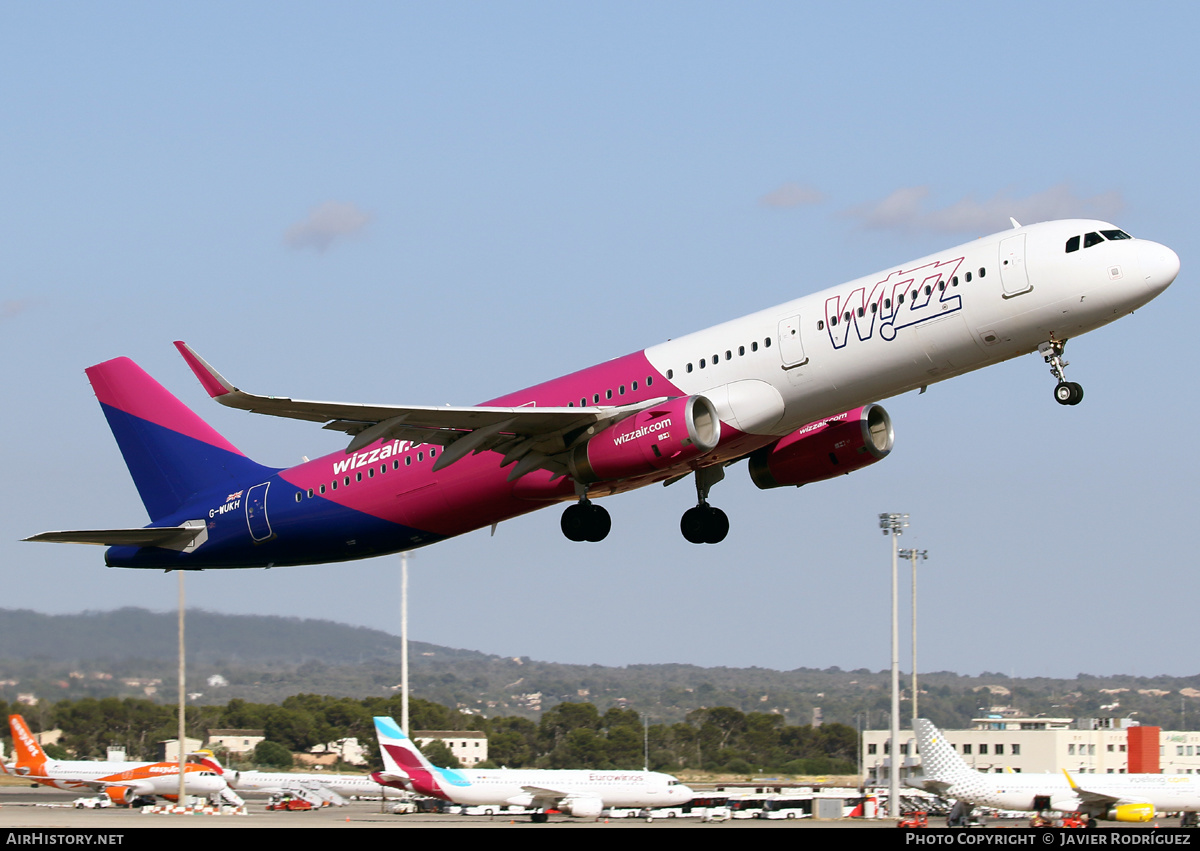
(792, 390)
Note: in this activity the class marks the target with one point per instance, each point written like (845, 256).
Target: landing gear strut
(1065, 392)
(705, 524)
(585, 521)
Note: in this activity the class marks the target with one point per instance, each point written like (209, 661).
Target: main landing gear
(705, 524)
(1065, 392)
(586, 521)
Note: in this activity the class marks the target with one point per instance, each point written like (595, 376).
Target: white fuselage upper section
(915, 324)
(146, 778)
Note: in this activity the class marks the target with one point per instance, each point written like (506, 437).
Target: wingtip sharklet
(212, 381)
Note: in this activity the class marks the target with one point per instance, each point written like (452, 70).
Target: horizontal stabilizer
(184, 538)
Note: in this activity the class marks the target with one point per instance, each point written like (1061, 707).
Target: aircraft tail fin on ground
(28, 756)
(940, 762)
(400, 755)
(171, 453)
(401, 758)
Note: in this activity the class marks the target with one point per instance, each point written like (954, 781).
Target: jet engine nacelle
(656, 437)
(1131, 812)
(824, 449)
(582, 807)
(121, 795)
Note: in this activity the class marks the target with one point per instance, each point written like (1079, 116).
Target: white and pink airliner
(581, 793)
(791, 389)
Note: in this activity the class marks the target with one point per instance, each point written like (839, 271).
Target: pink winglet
(207, 375)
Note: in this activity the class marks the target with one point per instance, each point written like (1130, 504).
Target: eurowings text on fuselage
(792, 388)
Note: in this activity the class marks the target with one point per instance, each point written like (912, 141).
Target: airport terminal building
(1038, 745)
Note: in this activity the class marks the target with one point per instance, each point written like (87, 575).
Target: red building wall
(1143, 750)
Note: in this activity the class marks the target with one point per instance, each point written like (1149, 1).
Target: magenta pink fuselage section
(394, 480)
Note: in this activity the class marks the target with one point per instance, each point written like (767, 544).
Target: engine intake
(661, 436)
(824, 449)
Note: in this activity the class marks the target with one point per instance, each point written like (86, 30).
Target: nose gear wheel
(1065, 392)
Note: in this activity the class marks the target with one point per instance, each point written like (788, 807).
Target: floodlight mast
(894, 524)
(912, 556)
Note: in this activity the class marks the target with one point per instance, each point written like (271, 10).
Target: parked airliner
(317, 789)
(121, 782)
(1116, 797)
(583, 794)
(791, 389)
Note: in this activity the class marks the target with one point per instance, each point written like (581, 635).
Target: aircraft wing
(76, 782)
(531, 437)
(1093, 799)
(313, 791)
(543, 796)
(937, 787)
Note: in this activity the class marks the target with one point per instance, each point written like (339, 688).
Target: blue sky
(438, 203)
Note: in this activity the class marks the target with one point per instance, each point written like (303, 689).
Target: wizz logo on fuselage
(903, 298)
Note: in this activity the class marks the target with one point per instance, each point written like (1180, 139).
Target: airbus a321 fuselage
(790, 388)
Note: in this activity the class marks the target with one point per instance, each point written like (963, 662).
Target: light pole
(404, 643)
(894, 524)
(912, 556)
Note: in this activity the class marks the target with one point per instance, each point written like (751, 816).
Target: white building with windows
(470, 747)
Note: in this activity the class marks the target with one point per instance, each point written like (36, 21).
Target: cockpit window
(1090, 239)
(1115, 234)
(1072, 244)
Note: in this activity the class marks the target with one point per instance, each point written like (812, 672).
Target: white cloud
(792, 195)
(12, 308)
(905, 209)
(326, 223)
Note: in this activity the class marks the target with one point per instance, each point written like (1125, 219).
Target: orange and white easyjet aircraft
(122, 782)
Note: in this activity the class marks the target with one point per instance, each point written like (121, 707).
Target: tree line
(569, 735)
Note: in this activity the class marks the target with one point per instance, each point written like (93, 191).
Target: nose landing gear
(1065, 392)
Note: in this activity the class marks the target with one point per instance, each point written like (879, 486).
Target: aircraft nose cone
(1159, 264)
